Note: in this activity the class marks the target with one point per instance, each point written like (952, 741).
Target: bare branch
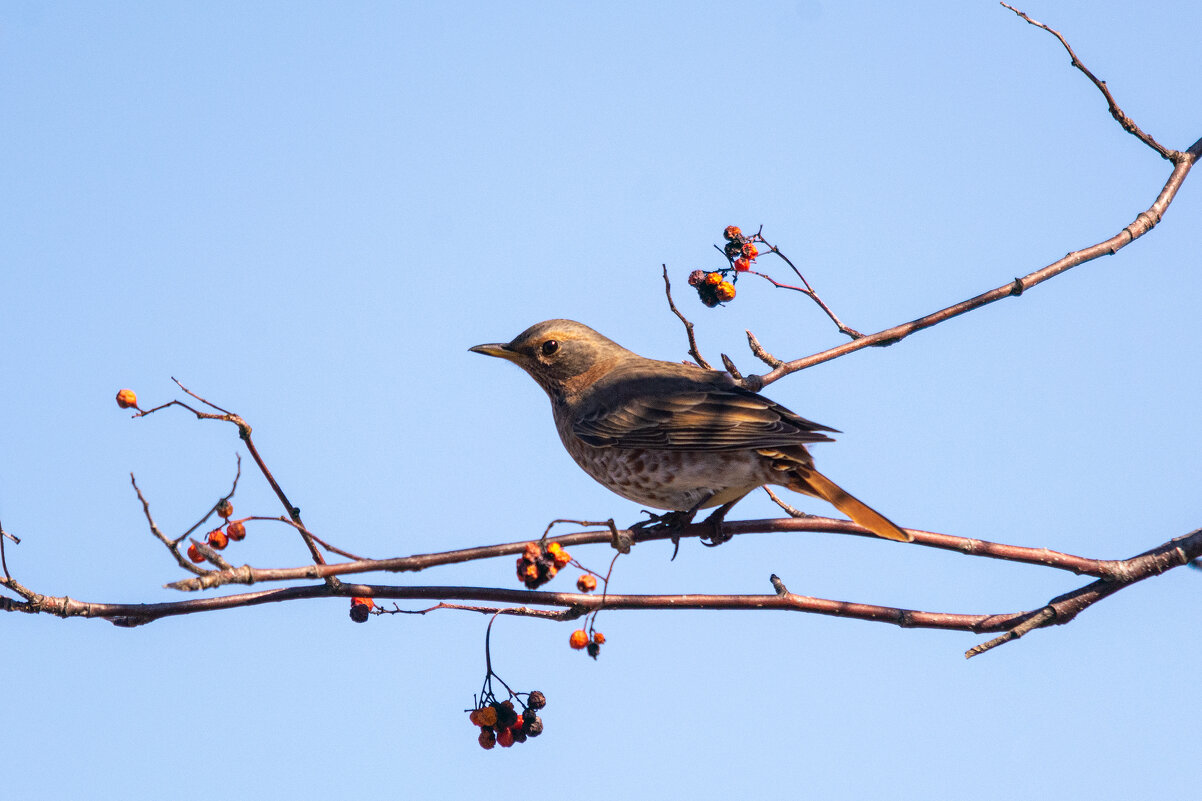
(1128, 124)
(688, 326)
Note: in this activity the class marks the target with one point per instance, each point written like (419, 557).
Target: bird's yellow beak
(498, 349)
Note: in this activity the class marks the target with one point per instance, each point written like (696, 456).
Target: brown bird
(672, 436)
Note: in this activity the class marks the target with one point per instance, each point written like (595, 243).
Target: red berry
(194, 553)
(742, 264)
(235, 531)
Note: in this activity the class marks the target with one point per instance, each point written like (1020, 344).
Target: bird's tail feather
(811, 482)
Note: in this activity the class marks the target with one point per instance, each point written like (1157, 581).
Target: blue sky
(308, 212)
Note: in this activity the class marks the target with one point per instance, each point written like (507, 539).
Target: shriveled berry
(586, 583)
(506, 716)
(519, 734)
(598, 638)
(360, 612)
(505, 738)
(696, 277)
(127, 399)
(579, 639)
(194, 553)
(236, 530)
(592, 649)
(488, 739)
(742, 264)
(536, 700)
(534, 728)
(562, 557)
(725, 291)
(487, 715)
(225, 508)
(217, 539)
(750, 250)
(733, 249)
(732, 233)
(474, 717)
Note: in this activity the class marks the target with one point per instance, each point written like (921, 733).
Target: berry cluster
(539, 563)
(500, 724)
(361, 607)
(221, 536)
(592, 645)
(712, 286)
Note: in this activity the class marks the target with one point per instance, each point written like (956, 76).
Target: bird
(669, 435)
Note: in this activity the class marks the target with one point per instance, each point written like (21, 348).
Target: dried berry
(506, 716)
(536, 700)
(194, 553)
(579, 639)
(225, 508)
(217, 539)
(733, 249)
(696, 277)
(598, 638)
(235, 530)
(732, 233)
(586, 583)
(127, 399)
(592, 649)
(534, 728)
(487, 715)
(488, 739)
(750, 250)
(359, 610)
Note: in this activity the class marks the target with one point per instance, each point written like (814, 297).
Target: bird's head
(563, 356)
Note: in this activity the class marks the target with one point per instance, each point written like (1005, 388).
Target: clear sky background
(308, 212)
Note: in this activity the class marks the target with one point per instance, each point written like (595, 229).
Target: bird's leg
(715, 519)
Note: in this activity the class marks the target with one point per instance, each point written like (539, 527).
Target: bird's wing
(696, 420)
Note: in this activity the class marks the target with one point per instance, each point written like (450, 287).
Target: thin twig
(1128, 124)
(688, 326)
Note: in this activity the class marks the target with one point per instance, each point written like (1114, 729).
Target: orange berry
(127, 399)
(194, 554)
(586, 583)
(363, 600)
(725, 291)
(217, 539)
(554, 548)
(562, 558)
(488, 716)
(598, 638)
(235, 531)
(530, 572)
(488, 739)
(742, 264)
(732, 232)
(579, 639)
(532, 551)
(713, 279)
(750, 250)
(225, 508)
(505, 738)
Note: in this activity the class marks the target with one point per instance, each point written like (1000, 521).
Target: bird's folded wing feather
(702, 420)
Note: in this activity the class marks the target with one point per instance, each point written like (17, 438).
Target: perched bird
(672, 436)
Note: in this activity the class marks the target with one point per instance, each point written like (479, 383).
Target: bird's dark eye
(550, 346)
